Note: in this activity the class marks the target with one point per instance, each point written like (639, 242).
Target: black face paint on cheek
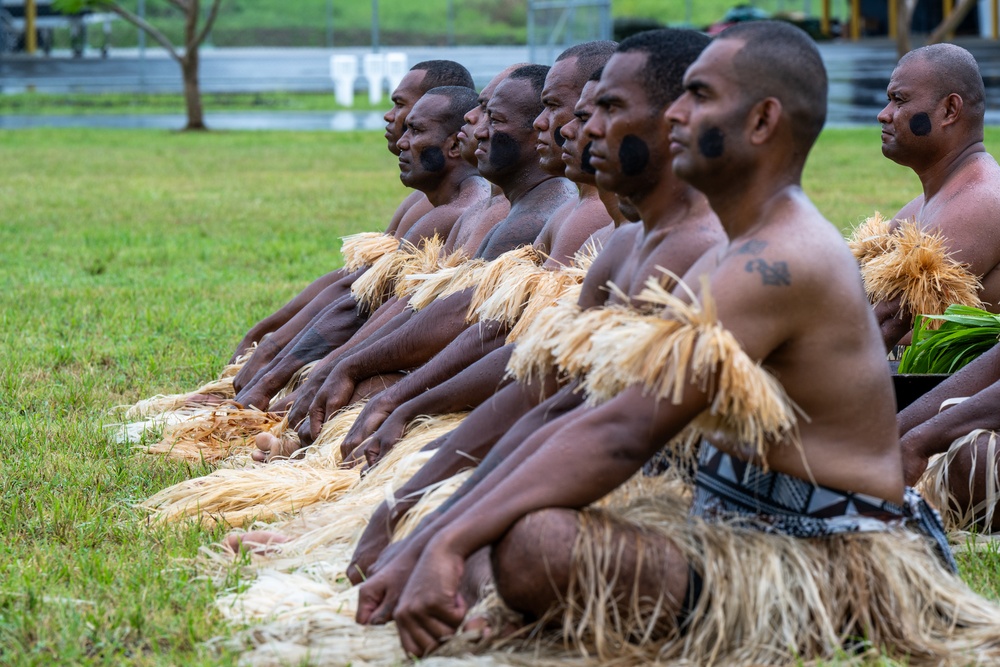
(585, 160)
(432, 159)
(504, 151)
(920, 124)
(558, 136)
(633, 155)
(711, 143)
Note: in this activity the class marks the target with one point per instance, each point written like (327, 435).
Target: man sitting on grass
(933, 124)
(281, 326)
(806, 525)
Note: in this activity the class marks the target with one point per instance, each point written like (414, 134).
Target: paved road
(858, 76)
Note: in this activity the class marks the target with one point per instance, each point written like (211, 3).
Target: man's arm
(437, 387)
(284, 314)
(925, 429)
(509, 421)
(425, 334)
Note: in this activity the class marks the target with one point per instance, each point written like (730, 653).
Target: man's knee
(531, 564)
(973, 476)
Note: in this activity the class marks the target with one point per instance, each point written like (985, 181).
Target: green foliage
(965, 333)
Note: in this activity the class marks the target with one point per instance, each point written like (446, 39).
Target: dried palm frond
(920, 273)
(532, 357)
(871, 238)
(359, 250)
(961, 335)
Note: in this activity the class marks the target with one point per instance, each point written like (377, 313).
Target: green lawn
(131, 262)
(403, 22)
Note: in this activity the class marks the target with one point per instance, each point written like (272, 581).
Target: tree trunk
(904, 19)
(192, 91)
(189, 68)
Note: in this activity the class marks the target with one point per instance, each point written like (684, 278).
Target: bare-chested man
(619, 116)
(508, 159)
(586, 217)
(339, 321)
(283, 325)
(753, 107)
(933, 124)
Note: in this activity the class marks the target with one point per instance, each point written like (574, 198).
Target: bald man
(753, 107)
(933, 124)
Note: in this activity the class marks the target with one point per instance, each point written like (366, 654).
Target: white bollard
(374, 71)
(396, 68)
(344, 69)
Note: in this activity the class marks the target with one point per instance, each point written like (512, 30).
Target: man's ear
(763, 119)
(952, 106)
(453, 149)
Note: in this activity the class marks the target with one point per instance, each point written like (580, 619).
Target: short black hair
(460, 101)
(596, 75)
(958, 72)
(443, 73)
(535, 75)
(781, 60)
(590, 57)
(669, 52)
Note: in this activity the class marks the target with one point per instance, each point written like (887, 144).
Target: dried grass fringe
(685, 344)
(360, 250)
(773, 599)
(935, 484)
(914, 267)
(214, 434)
(425, 288)
(162, 403)
(505, 274)
(284, 487)
(378, 283)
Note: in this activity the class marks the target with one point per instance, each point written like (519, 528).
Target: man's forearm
(463, 375)
(426, 333)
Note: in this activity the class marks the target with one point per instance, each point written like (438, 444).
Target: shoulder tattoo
(772, 274)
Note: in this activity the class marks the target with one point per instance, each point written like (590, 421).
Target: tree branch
(213, 13)
(140, 23)
(180, 4)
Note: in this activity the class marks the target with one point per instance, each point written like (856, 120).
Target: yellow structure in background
(30, 34)
(948, 7)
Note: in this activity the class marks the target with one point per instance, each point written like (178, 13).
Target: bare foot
(270, 447)
(488, 629)
(258, 542)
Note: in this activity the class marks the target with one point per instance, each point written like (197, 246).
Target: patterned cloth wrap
(729, 489)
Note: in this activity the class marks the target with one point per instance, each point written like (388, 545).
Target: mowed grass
(131, 262)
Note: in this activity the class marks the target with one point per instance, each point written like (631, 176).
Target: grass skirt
(775, 600)
(937, 484)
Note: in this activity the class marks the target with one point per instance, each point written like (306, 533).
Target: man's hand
(383, 440)
(372, 544)
(335, 394)
(261, 357)
(370, 419)
(431, 608)
(378, 596)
